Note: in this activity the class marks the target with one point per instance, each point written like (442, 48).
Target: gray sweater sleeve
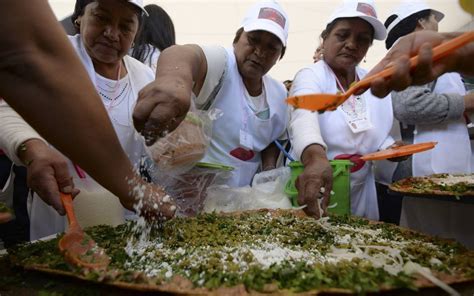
(419, 105)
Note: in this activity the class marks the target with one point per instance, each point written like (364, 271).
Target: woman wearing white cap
(363, 123)
(233, 80)
(436, 109)
(107, 29)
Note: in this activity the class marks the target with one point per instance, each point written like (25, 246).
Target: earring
(318, 54)
(133, 44)
(421, 23)
(76, 23)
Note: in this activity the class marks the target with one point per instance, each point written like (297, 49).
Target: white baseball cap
(364, 9)
(408, 8)
(139, 4)
(267, 16)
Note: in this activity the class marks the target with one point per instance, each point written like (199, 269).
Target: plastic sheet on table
(267, 191)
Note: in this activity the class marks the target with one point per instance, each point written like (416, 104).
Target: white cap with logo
(139, 4)
(267, 16)
(407, 8)
(364, 9)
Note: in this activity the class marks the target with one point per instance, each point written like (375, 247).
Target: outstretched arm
(43, 80)
(163, 103)
(421, 43)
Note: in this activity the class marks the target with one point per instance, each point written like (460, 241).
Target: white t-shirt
(116, 95)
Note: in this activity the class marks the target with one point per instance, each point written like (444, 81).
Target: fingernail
(66, 189)
(61, 212)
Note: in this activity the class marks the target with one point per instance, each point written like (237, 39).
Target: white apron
(44, 220)
(453, 153)
(237, 116)
(447, 219)
(340, 139)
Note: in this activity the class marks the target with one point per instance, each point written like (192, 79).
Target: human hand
(149, 201)
(47, 173)
(401, 158)
(420, 43)
(5, 213)
(315, 182)
(469, 102)
(5, 217)
(161, 106)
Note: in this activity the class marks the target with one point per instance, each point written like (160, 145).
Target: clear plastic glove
(180, 150)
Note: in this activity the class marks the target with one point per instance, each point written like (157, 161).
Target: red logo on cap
(366, 9)
(273, 15)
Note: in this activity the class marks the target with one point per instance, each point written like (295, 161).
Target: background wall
(215, 22)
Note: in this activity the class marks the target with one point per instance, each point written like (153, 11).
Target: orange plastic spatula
(324, 102)
(78, 247)
(399, 151)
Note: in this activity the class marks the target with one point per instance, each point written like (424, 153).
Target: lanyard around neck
(339, 84)
(351, 100)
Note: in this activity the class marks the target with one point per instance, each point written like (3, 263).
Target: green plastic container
(340, 201)
(216, 166)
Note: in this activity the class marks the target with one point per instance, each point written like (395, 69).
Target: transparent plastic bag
(267, 192)
(271, 175)
(189, 189)
(182, 148)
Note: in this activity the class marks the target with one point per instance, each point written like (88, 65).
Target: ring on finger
(322, 190)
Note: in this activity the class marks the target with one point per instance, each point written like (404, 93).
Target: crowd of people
(121, 83)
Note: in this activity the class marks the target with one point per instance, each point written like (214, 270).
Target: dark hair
(157, 30)
(239, 33)
(78, 11)
(404, 27)
(81, 6)
(325, 33)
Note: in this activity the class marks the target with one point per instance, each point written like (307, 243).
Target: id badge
(356, 114)
(246, 140)
(359, 125)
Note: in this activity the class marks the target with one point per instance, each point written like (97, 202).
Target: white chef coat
(340, 139)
